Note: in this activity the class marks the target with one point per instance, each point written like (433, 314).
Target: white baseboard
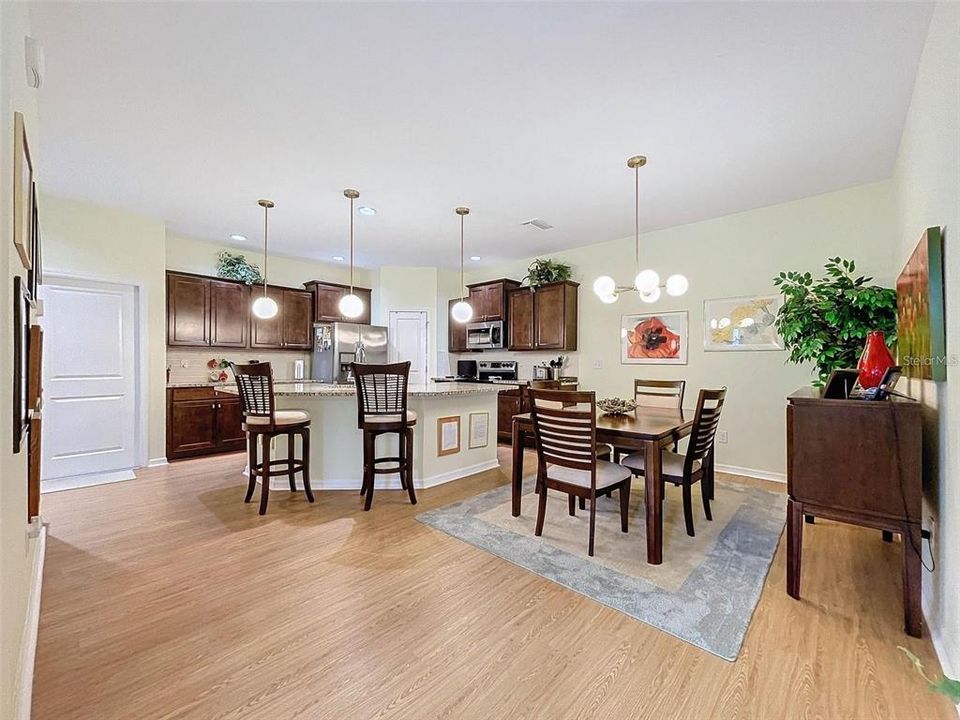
(948, 663)
(28, 647)
(81, 481)
(750, 472)
(157, 462)
(384, 482)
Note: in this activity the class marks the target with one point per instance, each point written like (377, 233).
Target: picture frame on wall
(448, 435)
(21, 362)
(35, 273)
(921, 311)
(739, 324)
(654, 338)
(479, 430)
(22, 191)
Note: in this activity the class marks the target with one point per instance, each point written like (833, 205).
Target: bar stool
(262, 422)
(382, 409)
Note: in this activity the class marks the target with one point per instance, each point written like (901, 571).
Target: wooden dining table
(646, 429)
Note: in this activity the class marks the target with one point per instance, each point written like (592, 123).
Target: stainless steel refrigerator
(337, 345)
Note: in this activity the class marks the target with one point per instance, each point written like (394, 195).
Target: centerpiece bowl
(616, 406)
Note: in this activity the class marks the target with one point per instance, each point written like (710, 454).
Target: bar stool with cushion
(696, 464)
(382, 409)
(565, 430)
(263, 422)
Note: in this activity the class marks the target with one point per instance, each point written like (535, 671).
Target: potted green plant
(826, 321)
(234, 266)
(546, 271)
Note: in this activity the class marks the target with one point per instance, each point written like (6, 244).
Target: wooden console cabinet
(858, 462)
(201, 421)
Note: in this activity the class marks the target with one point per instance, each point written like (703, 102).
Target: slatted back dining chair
(262, 422)
(565, 431)
(696, 464)
(662, 394)
(382, 409)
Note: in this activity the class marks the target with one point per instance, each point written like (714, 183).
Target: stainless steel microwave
(485, 335)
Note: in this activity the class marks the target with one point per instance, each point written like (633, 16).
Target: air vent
(537, 223)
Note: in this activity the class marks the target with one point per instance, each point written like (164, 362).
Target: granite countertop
(318, 389)
(195, 384)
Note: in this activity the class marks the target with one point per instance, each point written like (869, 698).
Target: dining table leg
(516, 476)
(654, 508)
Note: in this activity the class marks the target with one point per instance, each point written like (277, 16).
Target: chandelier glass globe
(677, 285)
(652, 296)
(604, 286)
(646, 281)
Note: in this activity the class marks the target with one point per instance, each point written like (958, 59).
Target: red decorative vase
(875, 360)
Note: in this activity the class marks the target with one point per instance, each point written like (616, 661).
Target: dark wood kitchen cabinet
(229, 314)
(201, 421)
(489, 299)
(188, 310)
(509, 403)
(456, 331)
(326, 301)
(543, 318)
(291, 328)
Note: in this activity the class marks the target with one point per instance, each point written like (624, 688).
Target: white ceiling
(191, 112)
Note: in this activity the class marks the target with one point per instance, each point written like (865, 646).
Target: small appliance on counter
(491, 370)
(336, 346)
(298, 369)
(466, 369)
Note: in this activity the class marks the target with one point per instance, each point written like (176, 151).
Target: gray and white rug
(705, 591)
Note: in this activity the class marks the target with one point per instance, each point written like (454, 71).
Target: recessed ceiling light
(366, 210)
(238, 238)
(338, 258)
(474, 257)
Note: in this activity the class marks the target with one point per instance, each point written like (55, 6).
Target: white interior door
(89, 378)
(408, 341)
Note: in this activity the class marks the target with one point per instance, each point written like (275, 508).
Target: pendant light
(461, 311)
(265, 307)
(647, 281)
(351, 306)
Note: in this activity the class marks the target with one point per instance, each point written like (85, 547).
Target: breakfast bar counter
(336, 450)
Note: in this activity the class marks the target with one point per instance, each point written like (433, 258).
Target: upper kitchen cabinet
(291, 328)
(489, 299)
(229, 313)
(326, 301)
(456, 331)
(543, 318)
(188, 310)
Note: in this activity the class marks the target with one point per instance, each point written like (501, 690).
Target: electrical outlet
(598, 364)
(722, 436)
(184, 363)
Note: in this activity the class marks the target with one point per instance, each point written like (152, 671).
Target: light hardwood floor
(167, 597)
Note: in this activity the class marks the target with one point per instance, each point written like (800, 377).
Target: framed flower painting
(659, 338)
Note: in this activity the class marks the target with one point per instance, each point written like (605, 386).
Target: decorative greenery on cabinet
(546, 271)
(234, 266)
(826, 321)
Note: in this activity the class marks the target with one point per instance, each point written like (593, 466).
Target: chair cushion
(391, 418)
(281, 417)
(608, 474)
(671, 462)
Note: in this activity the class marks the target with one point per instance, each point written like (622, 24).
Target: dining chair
(691, 467)
(663, 394)
(262, 422)
(603, 451)
(382, 409)
(565, 431)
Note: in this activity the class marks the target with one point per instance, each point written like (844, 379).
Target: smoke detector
(537, 223)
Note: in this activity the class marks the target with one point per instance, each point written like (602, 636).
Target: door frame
(140, 344)
(426, 336)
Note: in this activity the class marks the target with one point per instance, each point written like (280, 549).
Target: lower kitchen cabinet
(201, 421)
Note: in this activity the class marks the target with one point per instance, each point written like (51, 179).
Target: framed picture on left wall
(22, 192)
(654, 339)
(21, 362)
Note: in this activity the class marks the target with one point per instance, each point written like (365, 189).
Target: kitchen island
(336, 450)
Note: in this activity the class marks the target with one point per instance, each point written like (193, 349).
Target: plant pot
(875, 360)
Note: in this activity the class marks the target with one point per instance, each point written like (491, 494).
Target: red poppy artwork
(658, 338)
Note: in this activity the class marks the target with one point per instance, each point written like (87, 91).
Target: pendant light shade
(461, 311)
(264, 306)
(351, 306)
(647, 281)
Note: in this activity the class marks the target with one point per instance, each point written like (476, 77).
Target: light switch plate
(598, 364)
(722, 436)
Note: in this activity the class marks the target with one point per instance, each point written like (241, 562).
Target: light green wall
(926, 186)
(409, 288)
(726, 257)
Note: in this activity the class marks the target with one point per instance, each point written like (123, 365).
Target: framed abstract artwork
(742, 323)
(657, 338)
(22, 192)
(921, 324)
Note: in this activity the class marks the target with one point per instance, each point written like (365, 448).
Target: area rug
(705, 591)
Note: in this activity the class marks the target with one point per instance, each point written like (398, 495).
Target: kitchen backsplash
(525, 361)
(196, 369)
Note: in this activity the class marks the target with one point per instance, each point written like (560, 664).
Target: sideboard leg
(794, 546)
(912, 546)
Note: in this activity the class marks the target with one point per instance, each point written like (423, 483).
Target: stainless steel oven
(485, 335)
